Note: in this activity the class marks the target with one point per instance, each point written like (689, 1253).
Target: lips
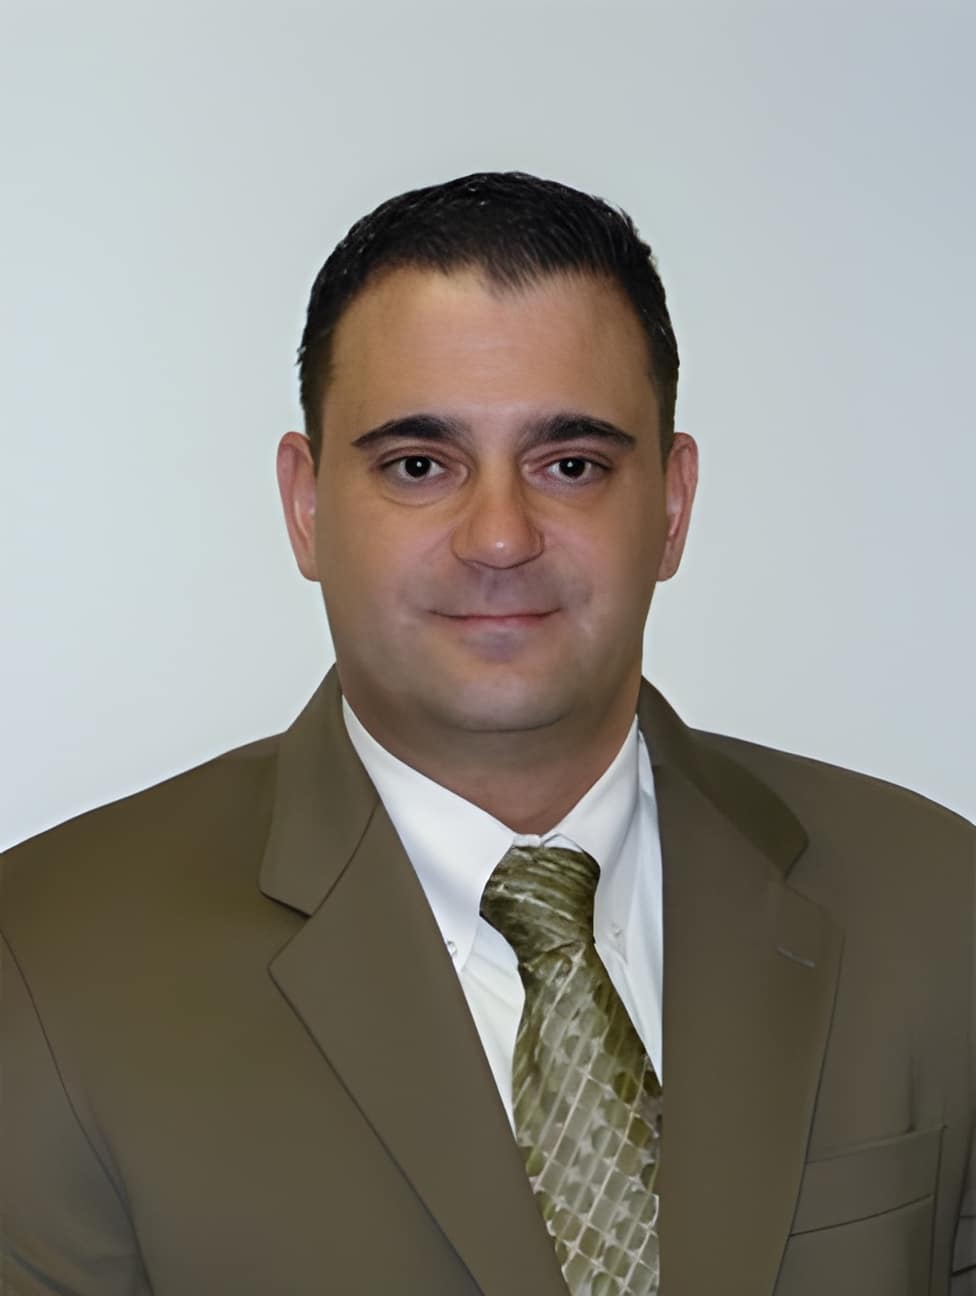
(497, 616)
(498, 622)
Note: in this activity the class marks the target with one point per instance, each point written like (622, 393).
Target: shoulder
(821, 789)
(142, 849)
(863, 832)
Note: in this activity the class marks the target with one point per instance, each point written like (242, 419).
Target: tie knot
(541, 897)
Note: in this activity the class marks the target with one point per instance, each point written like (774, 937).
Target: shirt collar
(454, 845)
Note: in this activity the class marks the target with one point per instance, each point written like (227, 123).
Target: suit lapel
(370, 978)
(750, 970)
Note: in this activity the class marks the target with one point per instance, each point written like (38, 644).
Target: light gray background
(175, 174)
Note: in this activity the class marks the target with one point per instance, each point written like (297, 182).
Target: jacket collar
(324, 798)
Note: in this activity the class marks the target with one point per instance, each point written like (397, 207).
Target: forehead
(414, 337)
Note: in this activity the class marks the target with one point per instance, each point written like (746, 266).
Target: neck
(530, 780)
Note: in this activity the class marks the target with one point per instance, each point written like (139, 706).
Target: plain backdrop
(174, 175)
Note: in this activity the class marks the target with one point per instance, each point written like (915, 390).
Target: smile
(513, 621)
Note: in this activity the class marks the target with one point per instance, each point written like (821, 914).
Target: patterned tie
(587, 1103)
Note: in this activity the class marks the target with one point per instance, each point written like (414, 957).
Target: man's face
(479, 572)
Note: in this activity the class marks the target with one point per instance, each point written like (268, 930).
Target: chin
(494, 703)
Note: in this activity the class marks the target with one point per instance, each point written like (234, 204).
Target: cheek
(618, 552)
(347, 534)
(641, 542)
(366, 566)
(617, 566)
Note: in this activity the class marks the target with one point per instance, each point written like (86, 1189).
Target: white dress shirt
(454, 845)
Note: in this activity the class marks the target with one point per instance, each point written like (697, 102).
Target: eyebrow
(547, 429)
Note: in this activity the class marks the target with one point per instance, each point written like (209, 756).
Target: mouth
(513, 620)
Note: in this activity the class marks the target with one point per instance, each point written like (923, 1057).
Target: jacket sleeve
(63, 1226)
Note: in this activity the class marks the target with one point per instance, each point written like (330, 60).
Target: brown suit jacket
(237, 1058)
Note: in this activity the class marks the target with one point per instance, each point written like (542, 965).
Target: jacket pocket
(868, 1180)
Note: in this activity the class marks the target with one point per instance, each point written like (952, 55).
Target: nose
(497, 528)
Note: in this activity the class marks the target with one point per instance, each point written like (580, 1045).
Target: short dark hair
(516, 229)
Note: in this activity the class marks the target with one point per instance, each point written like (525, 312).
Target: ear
(297, 486)
(680, 483)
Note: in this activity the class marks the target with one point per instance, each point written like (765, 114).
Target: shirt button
(452, 949)
(616, 931)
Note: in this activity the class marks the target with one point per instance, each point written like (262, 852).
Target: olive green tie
(586, 1100)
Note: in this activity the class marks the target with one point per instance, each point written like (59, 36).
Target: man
(489, 975)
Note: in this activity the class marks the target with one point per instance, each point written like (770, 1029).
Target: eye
(575, 467)
(414, 468)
